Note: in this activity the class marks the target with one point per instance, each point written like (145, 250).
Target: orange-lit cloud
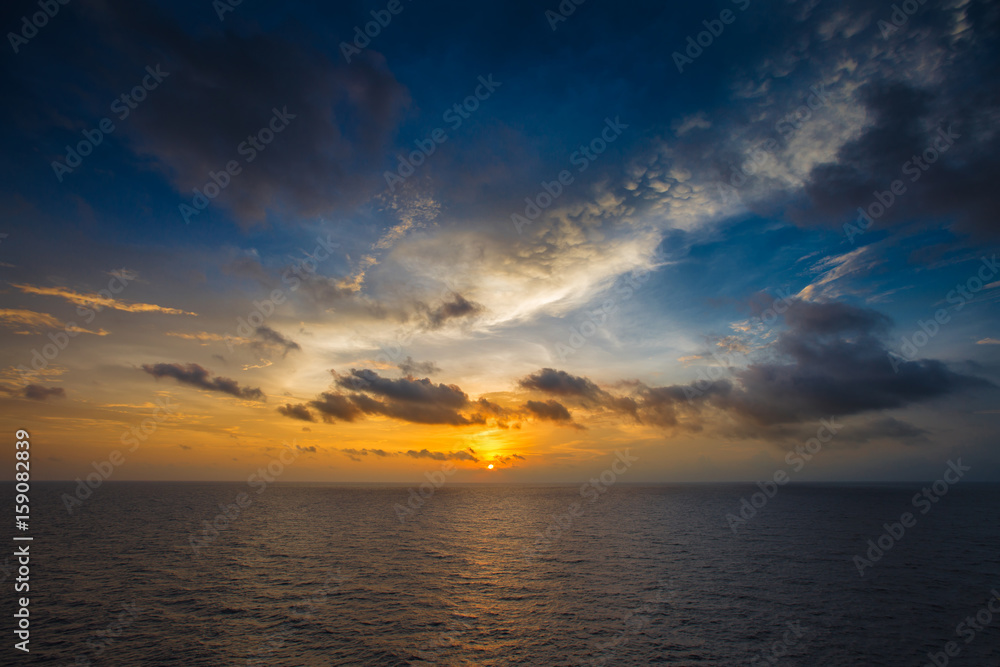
(99, 300)
(33, 321)
(202, 337)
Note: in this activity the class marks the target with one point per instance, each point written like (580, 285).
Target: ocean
(312, 574)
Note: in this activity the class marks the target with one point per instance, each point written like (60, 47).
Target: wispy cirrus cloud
(30, 321)
(99, 300)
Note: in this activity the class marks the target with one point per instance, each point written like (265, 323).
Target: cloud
(910, 119)
(830, 360)
(442, 456)
(836, 270)
(560, 383)
(266, 338)
(296, 412)
(37, 392)
(988, 341)
(551, 410)
(418, 401)
(457, 308)
(411, 368)
(30, 321)
(99, 301)
(335, 407)
(196, 376)
(405, 389)
(223, 86)
(202, 337)
(510, 460)
(693, 122)
(463, 455)
(368, 452)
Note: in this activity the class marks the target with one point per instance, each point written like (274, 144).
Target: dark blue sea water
(328, 575)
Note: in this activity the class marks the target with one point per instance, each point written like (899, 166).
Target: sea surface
(640, 575)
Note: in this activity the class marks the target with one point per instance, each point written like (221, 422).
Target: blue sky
(422, 323)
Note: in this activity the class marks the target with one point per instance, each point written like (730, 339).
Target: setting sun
(490, 466)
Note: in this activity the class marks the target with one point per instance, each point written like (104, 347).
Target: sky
(730, 238)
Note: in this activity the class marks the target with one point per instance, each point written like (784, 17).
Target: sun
(490, 466)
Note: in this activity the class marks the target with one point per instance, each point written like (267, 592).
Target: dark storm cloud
(404, 389)
(836, 365)
(551, 410)
(266, 338)
(909, 115)
(560, 383)
(818, 319)
(224, 86)
(420, 412)
(830, 360)
(935, 145)
(887, 428)
(296, 412)
(406, 399)
(335, 407)
(38, 392)
(196, 376)
(456, 308)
